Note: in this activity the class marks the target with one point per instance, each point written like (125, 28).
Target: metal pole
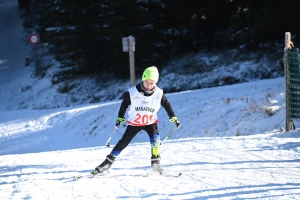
(131, 59)
(169, 134)
(289, 120)
(111, 135)
(35, 61)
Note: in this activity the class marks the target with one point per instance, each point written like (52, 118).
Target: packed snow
(227, 148)
(232, 143)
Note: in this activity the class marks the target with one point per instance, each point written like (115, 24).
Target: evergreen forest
(86, 36)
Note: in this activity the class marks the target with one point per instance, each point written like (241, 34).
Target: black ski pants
(131, 132)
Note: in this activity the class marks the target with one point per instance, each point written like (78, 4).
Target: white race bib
(143, 109)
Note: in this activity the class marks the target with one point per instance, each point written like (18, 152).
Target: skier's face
(149, 84)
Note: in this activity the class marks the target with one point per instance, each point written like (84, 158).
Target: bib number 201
(143, 119)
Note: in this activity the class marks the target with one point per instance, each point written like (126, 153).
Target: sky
(229, 145)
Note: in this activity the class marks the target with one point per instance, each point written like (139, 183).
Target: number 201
(143, 119)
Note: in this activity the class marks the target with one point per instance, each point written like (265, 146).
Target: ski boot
(105, 165)
(155, 165)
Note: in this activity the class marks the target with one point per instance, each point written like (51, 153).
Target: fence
(292, 82)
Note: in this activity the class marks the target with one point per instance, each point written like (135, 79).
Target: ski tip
(94, 172)
(174, 175)
(77, 177)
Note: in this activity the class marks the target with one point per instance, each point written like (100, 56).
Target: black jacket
(126, 102)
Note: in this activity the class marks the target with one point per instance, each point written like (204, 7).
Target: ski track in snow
(258, 167)
(41, 151)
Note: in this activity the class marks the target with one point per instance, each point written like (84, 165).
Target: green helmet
(150, 73)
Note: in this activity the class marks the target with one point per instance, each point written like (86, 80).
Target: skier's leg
(154, 137)
(155, 142)
(129, 134)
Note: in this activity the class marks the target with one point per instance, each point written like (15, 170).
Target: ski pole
(111, 135)
(169, 134)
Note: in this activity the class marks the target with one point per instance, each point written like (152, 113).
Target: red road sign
(34, 38)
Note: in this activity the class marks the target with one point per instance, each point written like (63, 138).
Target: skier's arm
(167, 106)
(124, 105)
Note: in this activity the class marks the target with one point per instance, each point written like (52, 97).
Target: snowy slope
(42, 150)
(13, 42)
(14, 49)
(264, 166)
(223, 111)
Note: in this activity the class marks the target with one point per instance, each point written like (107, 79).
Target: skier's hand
(176, 122)
(119, 121)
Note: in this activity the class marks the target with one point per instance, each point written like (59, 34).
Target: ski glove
(119, 121)
(175, 121)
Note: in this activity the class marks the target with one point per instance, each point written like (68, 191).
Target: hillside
(227, 148)
(22, 89)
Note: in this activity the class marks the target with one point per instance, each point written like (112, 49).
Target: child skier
(145, 99)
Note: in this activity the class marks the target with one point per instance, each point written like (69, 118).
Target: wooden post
(131, 59)
(289, 120)
(129, 46)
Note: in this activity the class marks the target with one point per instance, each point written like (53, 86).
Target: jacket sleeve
(167, 106)
(124, 105)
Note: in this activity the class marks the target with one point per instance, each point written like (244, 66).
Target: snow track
(248, 167)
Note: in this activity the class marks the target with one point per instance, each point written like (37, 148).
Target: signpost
(34, 39)
(129, 46)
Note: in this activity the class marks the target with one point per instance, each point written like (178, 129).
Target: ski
(83, 176)
(172, 175)
(92, 175)
(164, 175)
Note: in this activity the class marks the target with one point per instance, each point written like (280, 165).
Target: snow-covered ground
(227, 148)
(232, 143)
(250, 167)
